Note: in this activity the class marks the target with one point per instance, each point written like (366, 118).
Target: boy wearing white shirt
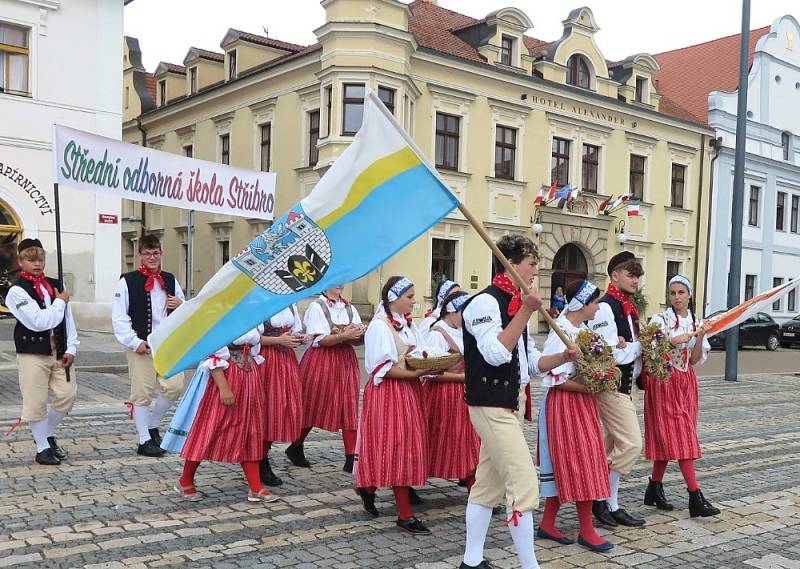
(46, 342)
(143, 299)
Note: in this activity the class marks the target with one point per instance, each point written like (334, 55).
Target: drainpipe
(716, 145)
(144, 145)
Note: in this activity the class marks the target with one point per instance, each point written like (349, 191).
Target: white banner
(103, 165)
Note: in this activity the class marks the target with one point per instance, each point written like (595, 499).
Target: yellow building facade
(501, 114)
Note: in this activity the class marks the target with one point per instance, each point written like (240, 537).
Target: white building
(703, 78)
(59, 63)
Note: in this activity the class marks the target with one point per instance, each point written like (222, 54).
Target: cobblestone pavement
(106, 507)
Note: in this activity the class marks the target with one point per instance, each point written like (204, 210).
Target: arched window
(578, 73)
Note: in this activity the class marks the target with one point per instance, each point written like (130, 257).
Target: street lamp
(536, 227)
(620, 231)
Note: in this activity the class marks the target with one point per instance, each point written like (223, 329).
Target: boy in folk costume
(618, 318)
(500, 357)
(143, 299)
(46, 342)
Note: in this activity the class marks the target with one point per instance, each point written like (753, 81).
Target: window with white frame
(780, 212)
(640, 94)
(192, 80)
(447, 141)
(559, 161)
(752, 210)
(162, 92)
(507, 50)
(313, 137)
(505, 149)
(776, 306)
(791, 301)
(578, 72)
(749, 286)
(590, 167)
(443, 259)
(352, 107)
(786, 139)
(637, 173)
(231, 64)
(224, 248)
(265, 131)
(793, 216)
(678, 184)
(225, 149)
(14, 60)
(386, 95)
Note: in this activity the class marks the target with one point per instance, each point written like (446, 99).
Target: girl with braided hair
(453, 443)
(671, 408)
(392, 438)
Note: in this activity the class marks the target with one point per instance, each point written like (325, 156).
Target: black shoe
(413, 525)
(605, 546)
(563, 540)
(348, 463)
(623, 518)
(654, 496)
(698, 505)
(60, 453)
(297, 456)
(602, 515)
(150, 449)
(155, 436)
(482, 565)
(368, 500)
(268, 478)
(414, 498)
(47, 457)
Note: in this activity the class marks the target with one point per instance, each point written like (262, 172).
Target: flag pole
(523, 286)
(59, 262)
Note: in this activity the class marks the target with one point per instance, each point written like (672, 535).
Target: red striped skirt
(392, 442)
(330, 388)
(577, 450)
(234, 433)
(453, 444)
(670, 417)
(284, 417)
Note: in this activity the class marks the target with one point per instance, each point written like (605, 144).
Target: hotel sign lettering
(598, 115)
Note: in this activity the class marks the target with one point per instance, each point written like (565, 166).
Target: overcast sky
(166, 29)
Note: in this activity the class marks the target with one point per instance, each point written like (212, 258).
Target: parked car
(758, 330)
(790, 332)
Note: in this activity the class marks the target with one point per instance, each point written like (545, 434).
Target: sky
(166, 29)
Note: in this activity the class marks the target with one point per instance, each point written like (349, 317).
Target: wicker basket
(439, 363)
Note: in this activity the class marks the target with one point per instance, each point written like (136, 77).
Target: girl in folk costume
(443, 290)
(330, 374)
(391, 435)
(453, 444)
(229, 425)
(282, 334)
(670, 408)
(572, 455)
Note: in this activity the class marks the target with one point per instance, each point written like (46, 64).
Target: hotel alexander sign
(600, 116)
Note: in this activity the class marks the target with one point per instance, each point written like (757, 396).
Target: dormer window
(193, 80)
(231, 65)
(506, 50)
(641, 89)
(162, 92)
(578, 73)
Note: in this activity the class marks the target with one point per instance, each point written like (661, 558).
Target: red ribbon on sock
(514, 519)
(14, 427)
(129, 405)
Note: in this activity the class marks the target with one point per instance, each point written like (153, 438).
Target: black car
(790, 332)
(758, 330)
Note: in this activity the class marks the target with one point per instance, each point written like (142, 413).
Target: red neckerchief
(396, 324)
(628, 307)
(504, 283)
(40, 285)
(152, 276)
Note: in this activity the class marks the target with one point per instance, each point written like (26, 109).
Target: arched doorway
(569, 265)
(10, 232)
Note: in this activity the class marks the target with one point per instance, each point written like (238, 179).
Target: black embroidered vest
(624, 330)
(139, 304)
(27, 341)
(487, 385)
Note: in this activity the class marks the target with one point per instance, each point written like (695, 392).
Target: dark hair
(633, 266)
(691, 307)
(515, 248)
(446, 301)
(390, 282)
(575, 286)
(149, 242)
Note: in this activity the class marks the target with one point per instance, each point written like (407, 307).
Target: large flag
(377, 197)
(748, 308)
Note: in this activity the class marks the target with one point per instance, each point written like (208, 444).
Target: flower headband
(445, 289)
(457, 303)
(399, 288)
(680, 279)
(581, 297)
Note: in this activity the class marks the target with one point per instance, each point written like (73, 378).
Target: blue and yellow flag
(376, 198)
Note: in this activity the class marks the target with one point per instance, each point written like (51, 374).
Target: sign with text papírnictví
(89, 162)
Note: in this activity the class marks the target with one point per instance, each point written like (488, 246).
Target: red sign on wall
(107, 218)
